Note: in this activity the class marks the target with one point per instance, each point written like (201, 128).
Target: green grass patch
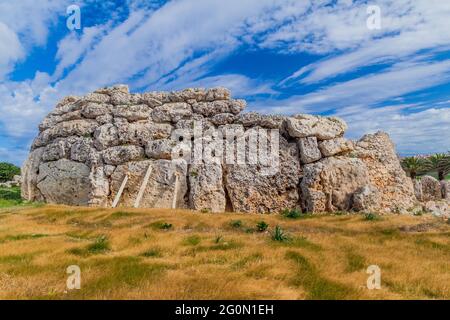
(317, 287)
(371, 217)
(18, 237)
(236, 224)
(355, 262)
(99, 246)
(192, 240)
(262, 226)
(160, 225)
(152, 253)
(278, 234)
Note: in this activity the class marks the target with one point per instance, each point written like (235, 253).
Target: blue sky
(283, 56)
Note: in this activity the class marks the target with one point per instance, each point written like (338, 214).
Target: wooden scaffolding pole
(175, 192)
(143, 186)
(119, 194)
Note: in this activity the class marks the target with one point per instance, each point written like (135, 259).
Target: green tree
(413, 166)
(440, 163)
(8, 171)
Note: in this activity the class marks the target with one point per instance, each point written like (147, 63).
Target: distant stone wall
(87, 145)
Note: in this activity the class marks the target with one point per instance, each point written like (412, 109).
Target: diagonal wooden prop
(143, 186)
(119, 194)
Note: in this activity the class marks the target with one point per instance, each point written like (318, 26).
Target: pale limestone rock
(252, 189)
(330, 184)
(30, 171)
(106, 136)
(335, 146)
(120, 154)
(82, 150)
(160, 149)
(55, 151)
(64, 181)
(366, 199)
(309, 150)
(218, 94)
(133, 112)
(99, 189)
(171, 112)
(65, 129)
(98, 97)
(206, 187)
(250, 119)
(445, 188)
(160, 190)
(94, 110)
(324, 128)
(437, 208)
(223, 118)
(385, 172)
(431, 189)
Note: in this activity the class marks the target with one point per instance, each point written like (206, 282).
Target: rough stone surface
(87, 145)
(377, 151)
(431, 189)
(445, 188)
(335, 146)
(309, 150)
(64, 181)
(206, 187)
(329, 185)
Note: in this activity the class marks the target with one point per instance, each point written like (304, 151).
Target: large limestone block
(160, 190)
(141, 132)
(210, 109)
(94, 110)
(431, 189)
(309, 150)
(366, 199)
(30, 171)
(445, 188)
(206, 187)
(172, 112)
(65, 129)
(106, 136)
(377, 151)
(324, 128)
(335, 146)
(64, 182)
(133, 112)
(99, 190)
(160, 149)
(329, 185)
(121, 154)
(252, 189)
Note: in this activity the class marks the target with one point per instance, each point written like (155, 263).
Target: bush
(262, 226)
(236, 223)
(8, 171)
(292, 213)
(279, 235)
(371, 216)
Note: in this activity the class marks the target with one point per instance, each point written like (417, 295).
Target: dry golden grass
(136, 254)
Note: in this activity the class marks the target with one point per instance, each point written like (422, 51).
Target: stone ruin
(96, 150)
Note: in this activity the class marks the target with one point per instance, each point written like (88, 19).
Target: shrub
(292, 213)
(161, 225)
(262, 226)
(152, 253)
(279, 234)
(371, 216)
(236, 223)
(100, 245)
(8, 171)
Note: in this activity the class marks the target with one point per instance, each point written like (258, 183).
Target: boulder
(324, 128)
(385, 172)
(121, 154)
(309, 150)
(206, 187)
(160, 149)
(106, 136)
(431, 189)
(94, 110)
(330, 184)
(335, 146)
(252, 189)
(64, 181)
(133, 112)
(437, 208)
(30, 171)
(366, 199)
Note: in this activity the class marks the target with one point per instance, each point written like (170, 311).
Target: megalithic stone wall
(87, 145)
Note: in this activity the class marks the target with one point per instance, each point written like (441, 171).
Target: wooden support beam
(119, 194)
(143, 186)
(175, 192)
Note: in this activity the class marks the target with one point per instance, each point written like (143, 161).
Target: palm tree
(439, 162)
(413, 166)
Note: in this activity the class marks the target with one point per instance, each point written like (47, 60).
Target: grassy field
(166, 254)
